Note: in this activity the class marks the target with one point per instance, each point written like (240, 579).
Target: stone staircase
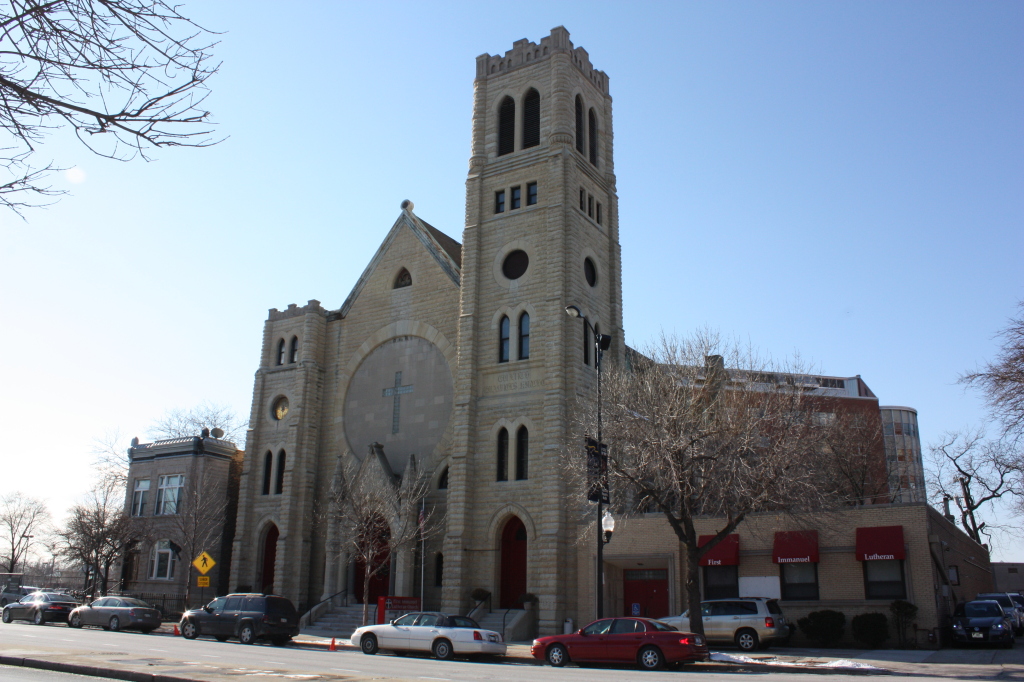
(493, 620)
(340, 621)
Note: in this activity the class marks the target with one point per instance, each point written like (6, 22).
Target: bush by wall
(870, 629)
(904, 614)
(823, 628)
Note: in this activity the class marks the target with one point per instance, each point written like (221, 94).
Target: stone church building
(458, 353)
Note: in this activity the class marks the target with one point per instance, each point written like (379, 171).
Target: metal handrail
(310, 609)
(503, 623)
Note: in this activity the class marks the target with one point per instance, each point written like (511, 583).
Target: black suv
(246, 616)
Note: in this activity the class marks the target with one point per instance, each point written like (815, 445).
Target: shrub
(528, 598)
(479, 594)
(904, 614)
(870, 629)
(823, 628)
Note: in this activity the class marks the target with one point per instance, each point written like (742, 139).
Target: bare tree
(1002, 381)
(111, 453)
(689, 435)
(127, 76)
(97, 531)
(182, 423)
(23, 520)
(199, 517)
(974, 473)
(375, 513)
(853, 457)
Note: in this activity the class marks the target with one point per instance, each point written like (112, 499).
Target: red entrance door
(269, 559)
(380, 583)
(645, 593)
(513, 563)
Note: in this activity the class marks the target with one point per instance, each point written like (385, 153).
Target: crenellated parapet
(525, 52)
(293, 310)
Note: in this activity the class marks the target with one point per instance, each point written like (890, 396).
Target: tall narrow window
(531, 193)
(139, 497)
(268, 471)
(579, 124)
(293, 352)
(168, 494)
(524, 336)
(506, 126)
(586, 344)
(503, 339)
(280, 352)
(599, 213)
(522, 453)
(162, 561)
(279, 483)
(592, 130)
(442, 482)
(583, 199)
(517, 197)
(502, 455)
(499, 202)
(531, 119)
(439, 570)
(590, 206)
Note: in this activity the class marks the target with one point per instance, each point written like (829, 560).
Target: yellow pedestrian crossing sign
(204, 562)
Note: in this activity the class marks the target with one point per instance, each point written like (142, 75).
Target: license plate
(492, 638)
(977, 635)
(284, 620)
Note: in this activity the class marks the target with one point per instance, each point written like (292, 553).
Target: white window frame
(139, 496)
(162, 549)
(168, 494)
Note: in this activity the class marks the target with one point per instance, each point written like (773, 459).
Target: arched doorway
(513, 563)
(269, 558)
(380, 582)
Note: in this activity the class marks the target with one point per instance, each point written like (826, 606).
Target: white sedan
(443, 635)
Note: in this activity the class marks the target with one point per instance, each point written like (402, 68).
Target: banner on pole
(597, 471)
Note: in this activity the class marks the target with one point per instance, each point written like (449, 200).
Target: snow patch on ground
(841, 663)
(847, 663)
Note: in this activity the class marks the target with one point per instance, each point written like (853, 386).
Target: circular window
(280, 410)
(515, 264)
(589, 271)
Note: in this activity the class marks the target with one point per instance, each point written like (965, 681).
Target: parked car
(40, 608)
(650, 644)
(246, 616)
(116, 613)
(443, 635)
(747, 622)
(982, 622)
(1005, 600)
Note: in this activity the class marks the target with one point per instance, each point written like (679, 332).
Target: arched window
(579, 124)
(524, 336)
(586, 344)
(293, 352)
(438, 570)
(268, 471)
(502, 455)
(442, 482)
(592, 130)
(279, 483)
(522, 453)
(404, 279)
(506, 126)
(280, 352)
(531, 119)
(503, 336)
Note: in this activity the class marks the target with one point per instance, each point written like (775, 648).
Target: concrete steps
(493, 620)
(340, 621)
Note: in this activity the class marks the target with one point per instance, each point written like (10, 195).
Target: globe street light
(605, 522)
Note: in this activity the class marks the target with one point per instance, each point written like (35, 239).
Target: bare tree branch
(183, 423)
(1002, 381)
(23, 521)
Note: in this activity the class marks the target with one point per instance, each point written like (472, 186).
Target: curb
(91, 671)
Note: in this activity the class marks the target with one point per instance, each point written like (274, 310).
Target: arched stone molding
(501, 516)
(512, 285)
(400, 328)
(392, 276)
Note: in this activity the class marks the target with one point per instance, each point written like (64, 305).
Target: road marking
(30, 636)
(209, 656)
(347, 670)
(436, 678)
(275, 662)
(163, 650)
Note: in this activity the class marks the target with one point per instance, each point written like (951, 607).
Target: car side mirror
(581, 633)
(207, 609)
(393, 621)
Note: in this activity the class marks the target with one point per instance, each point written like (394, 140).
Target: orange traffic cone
(333, 646)
(176, 633)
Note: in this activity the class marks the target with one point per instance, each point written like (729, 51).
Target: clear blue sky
(842, 180)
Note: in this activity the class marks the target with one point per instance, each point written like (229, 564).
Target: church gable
(438, 251)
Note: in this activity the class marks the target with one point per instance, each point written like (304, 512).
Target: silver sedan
(116, 613)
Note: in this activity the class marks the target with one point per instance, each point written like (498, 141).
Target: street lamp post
(605, 522)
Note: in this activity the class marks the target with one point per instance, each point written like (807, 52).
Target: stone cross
(397, 390)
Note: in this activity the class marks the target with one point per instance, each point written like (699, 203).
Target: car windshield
(980, 610)
(407, 619)
(1003, 599)
(1017, 599)
(661, 627)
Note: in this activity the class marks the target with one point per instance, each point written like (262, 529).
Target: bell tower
(541, 233)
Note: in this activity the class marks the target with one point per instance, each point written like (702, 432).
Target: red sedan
(650, 644)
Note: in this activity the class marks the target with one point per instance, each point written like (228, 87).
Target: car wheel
(114, 624)
(557, 655)
(246, 635)
(221, 638)
(38, 618)
(368, 644)
(7, 616)
(650, 658)
(443, 650)
(75, 621)
(189, 630)
(746, 640)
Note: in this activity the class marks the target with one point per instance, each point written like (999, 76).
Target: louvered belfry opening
(531, 119)
(579, 124)
(592, 125)
(506, 126)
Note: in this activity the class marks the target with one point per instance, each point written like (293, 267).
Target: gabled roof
(445, 250)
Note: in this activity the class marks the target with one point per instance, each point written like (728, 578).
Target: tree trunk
(691, 581)
(367, 575)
